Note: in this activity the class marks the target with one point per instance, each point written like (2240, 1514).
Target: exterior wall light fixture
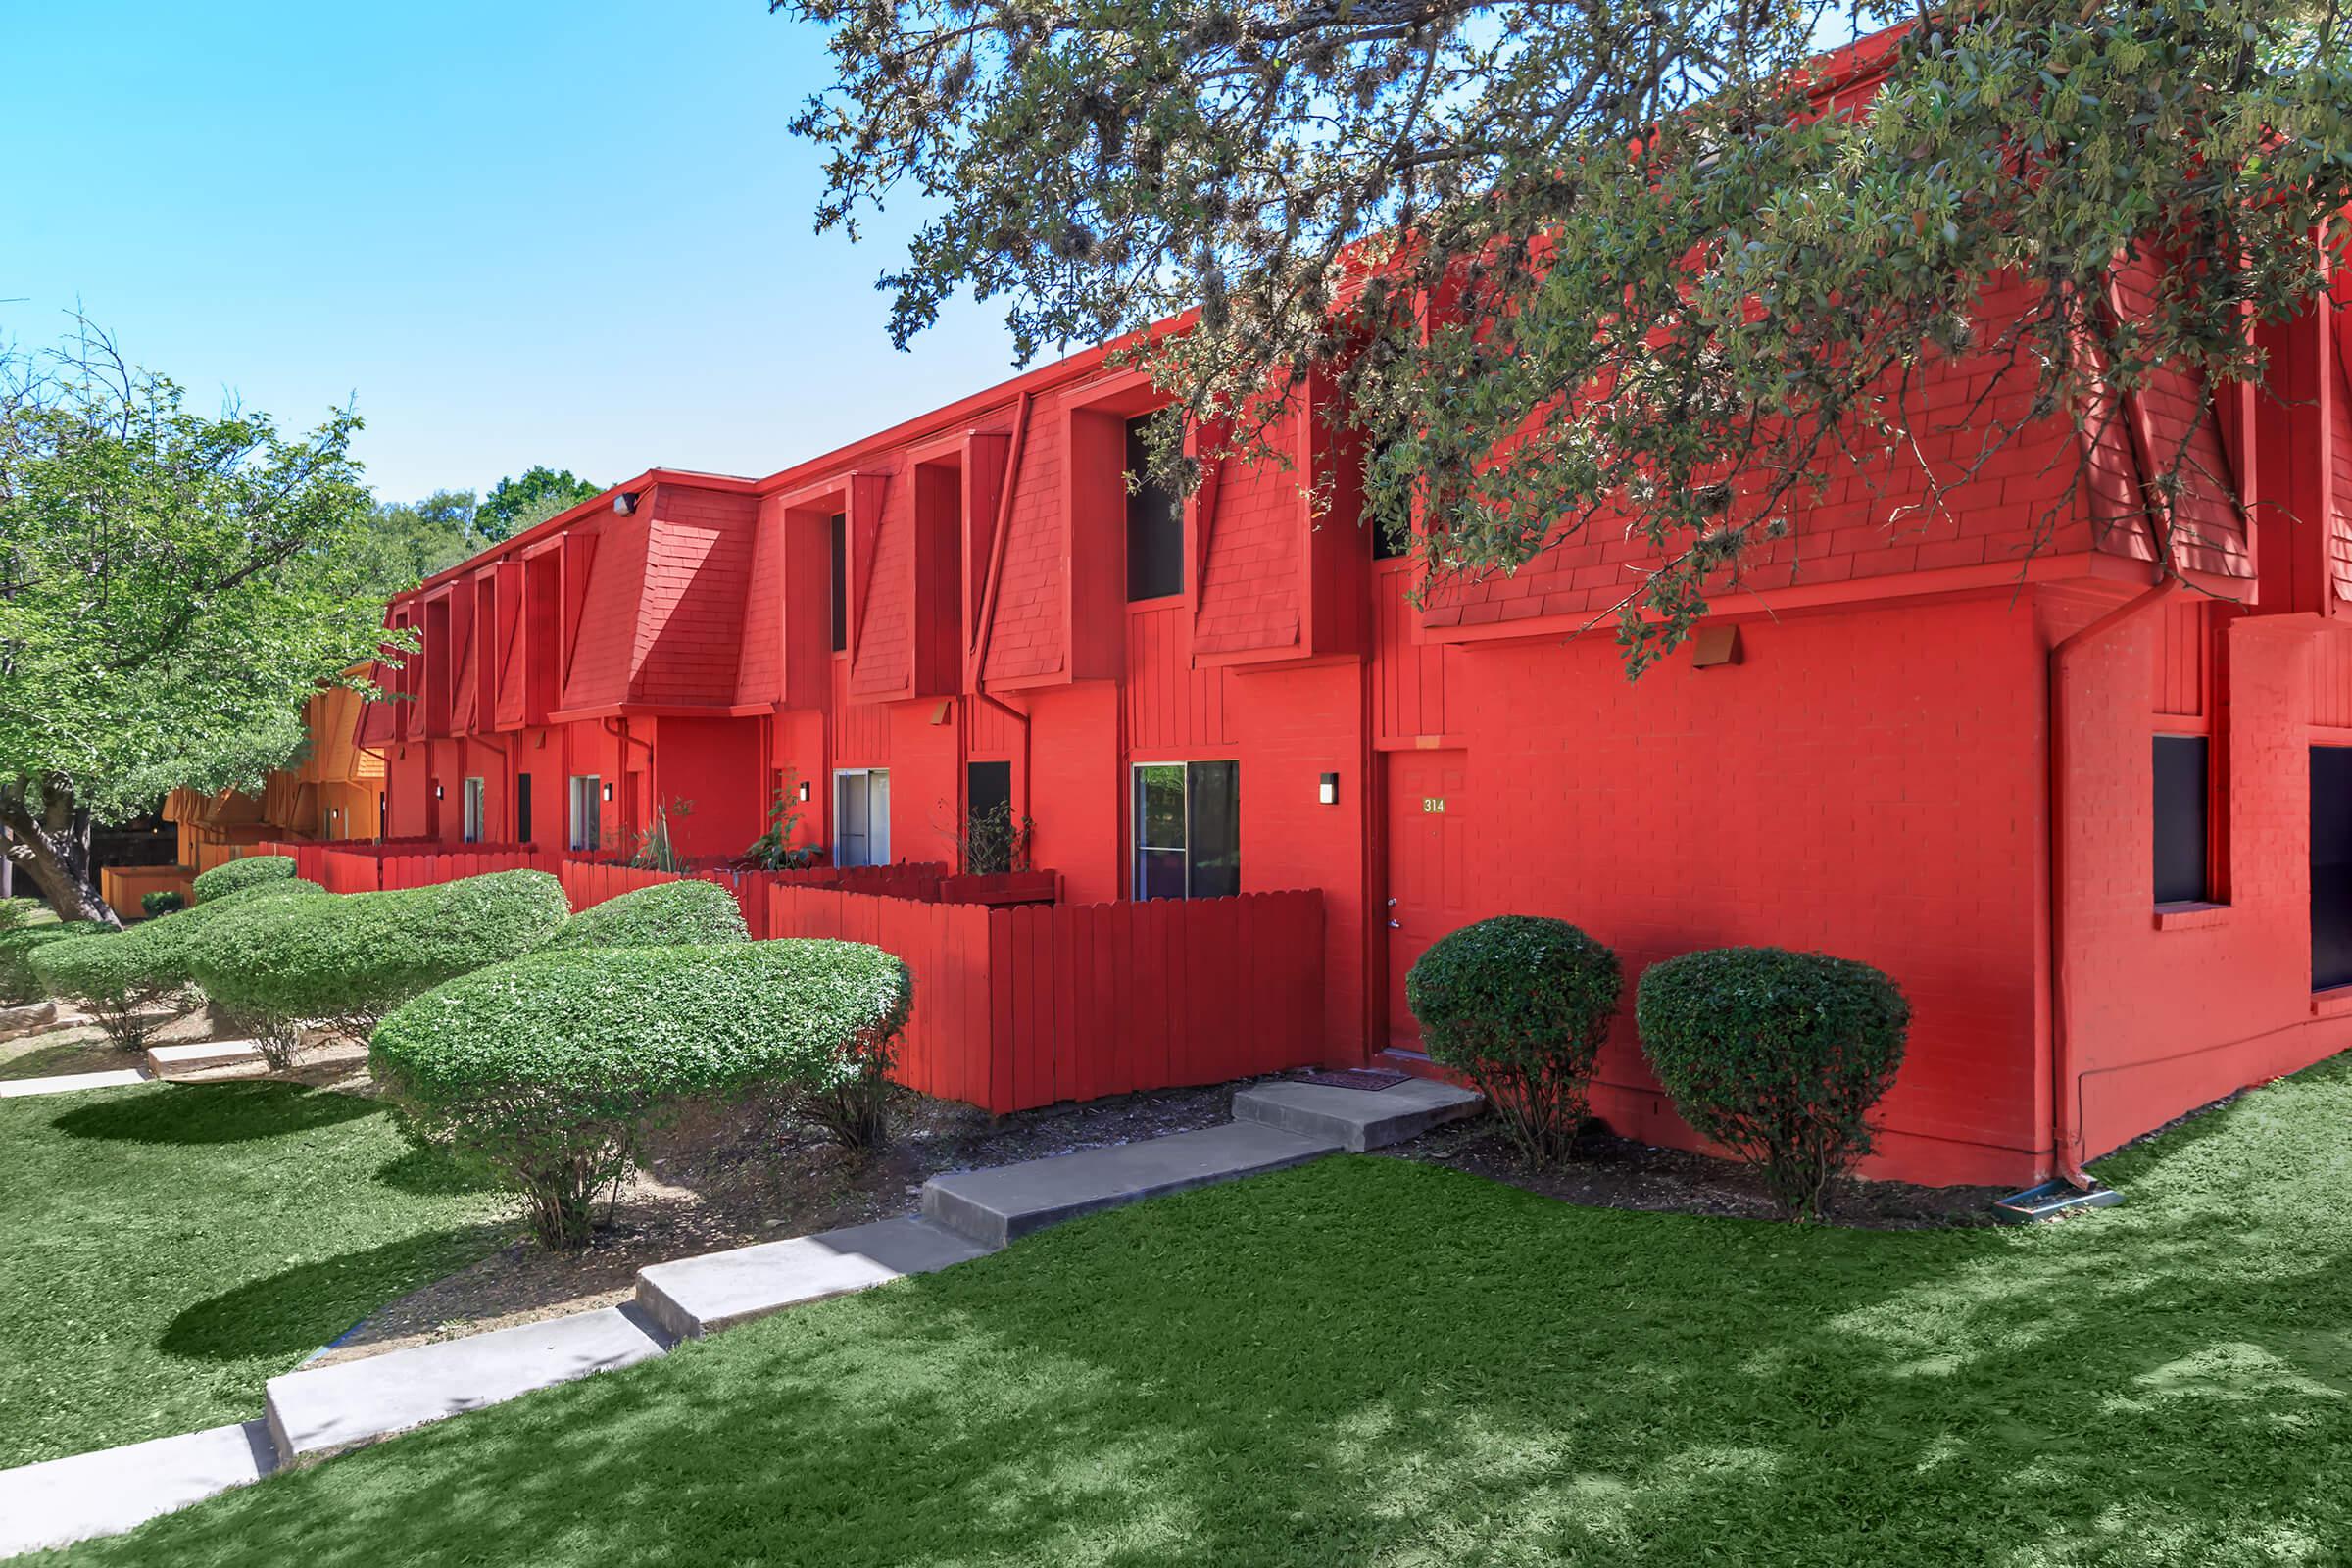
(607, 792)
(804, 789)
(1328, 790)
(625, 502)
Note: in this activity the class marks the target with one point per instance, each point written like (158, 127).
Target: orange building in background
(335, 792)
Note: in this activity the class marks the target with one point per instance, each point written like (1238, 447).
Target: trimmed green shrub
(18, 982)
(551, 1071)
(345, 962)
(235, 876)
(149, 962)
(1778, 1056)
(161, 901)
(1519, 1005)
(14, 913)
(109, 974)
(667, 915)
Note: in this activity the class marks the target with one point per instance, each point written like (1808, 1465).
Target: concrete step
(68, 1083)
(104, 1494)
(327, 1409)
(698, 1296)
(164, 1060)
(1357, 1118)
(994, 1207)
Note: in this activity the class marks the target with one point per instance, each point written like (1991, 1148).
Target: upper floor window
(1154, 525)
(840, 531)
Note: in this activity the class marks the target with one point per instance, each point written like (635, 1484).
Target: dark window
(2181, 819)
(987, 787)
(841, 581)
(2330, 866)
(1155, 526)
(523, 807)
(1389, 540)
(1187, 830)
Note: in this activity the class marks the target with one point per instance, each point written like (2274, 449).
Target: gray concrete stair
(201, 1057)
(326, 1409)
(1357, 1120)
(104, 1494)
(698, 1296)
(994, 1207)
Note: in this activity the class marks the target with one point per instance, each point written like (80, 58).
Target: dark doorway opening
(523, 807)
(2330, 866)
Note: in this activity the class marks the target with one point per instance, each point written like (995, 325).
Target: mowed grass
(1367, 1361)
(166, 1249)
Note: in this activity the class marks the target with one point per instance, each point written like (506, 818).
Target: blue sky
(516, 231)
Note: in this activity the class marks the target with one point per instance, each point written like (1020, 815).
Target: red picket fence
(1019, 1008)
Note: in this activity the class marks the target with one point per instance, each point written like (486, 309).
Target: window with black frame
(1187, 830)
(2182, 815)
(1154, 525)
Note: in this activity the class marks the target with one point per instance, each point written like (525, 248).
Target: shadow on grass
(301, 1308)
(1365, 1360)
(215, 1113)
(430, 1172)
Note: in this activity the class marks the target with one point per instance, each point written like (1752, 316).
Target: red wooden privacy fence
(1024, 1007)
(1019, 1001)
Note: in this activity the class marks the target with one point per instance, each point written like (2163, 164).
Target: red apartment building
(2099, 829)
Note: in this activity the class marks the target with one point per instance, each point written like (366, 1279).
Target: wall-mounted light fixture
(625, 502)
(607, 792)
(1328, 790)
(804, 789)
(437, 792)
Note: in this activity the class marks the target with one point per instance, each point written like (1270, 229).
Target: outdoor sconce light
(625, 502)
(437, 792)
(607, 792)
(804, 789)
(1328, 792)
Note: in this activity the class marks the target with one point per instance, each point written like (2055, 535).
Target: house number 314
(1433, 804)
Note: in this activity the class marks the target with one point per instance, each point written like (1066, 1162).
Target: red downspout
(2066, 1084)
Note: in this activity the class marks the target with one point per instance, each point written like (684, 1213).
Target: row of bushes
(1775, 1056)
(540, 1045)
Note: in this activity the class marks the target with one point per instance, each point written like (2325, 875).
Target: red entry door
(1428, 895)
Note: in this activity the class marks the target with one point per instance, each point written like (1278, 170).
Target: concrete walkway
(68, 1083)
(318, 1411)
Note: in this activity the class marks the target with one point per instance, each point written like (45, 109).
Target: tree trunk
(50, 842)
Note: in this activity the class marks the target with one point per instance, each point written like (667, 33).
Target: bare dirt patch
(1613, 1172)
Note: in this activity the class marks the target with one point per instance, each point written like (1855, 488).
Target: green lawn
(166, 1249)
(1366, 1361)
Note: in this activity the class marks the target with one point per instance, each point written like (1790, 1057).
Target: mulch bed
(1613, 1172)
(750, 1174)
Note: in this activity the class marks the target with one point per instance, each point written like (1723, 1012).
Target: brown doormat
(1354, 1078)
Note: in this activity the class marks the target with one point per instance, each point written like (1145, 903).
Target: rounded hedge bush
(18, 982)
(1519, 1005)
(346, 961)
(551, 1070)
(149, 961)
(14, 913)
(235, 876)
(667, 914)
(1776, 1055)
(109, 974)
